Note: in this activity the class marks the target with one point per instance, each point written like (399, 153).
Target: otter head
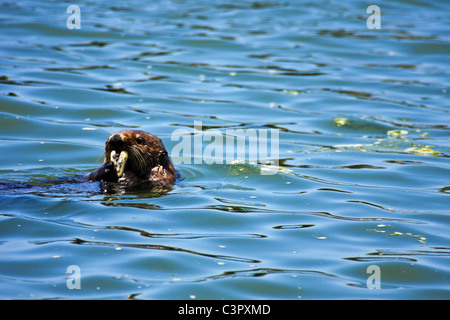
(139, 155)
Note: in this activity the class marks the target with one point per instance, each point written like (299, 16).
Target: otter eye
(139, 141)
(162, 155)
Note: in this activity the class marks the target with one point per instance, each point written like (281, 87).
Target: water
(363, 178)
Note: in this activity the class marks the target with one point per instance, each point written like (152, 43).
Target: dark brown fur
(148, 162)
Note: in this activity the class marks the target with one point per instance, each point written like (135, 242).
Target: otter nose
(116, 141)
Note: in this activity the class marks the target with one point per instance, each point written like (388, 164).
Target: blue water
(364, 146)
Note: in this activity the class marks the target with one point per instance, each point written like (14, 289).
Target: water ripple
(162, 247)
(184, 236)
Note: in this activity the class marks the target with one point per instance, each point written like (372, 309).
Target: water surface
(364, 145)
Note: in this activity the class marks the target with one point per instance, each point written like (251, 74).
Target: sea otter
(135, 158)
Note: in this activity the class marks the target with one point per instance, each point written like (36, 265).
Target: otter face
(141, 155)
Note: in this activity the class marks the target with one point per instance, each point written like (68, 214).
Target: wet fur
(148, 162)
